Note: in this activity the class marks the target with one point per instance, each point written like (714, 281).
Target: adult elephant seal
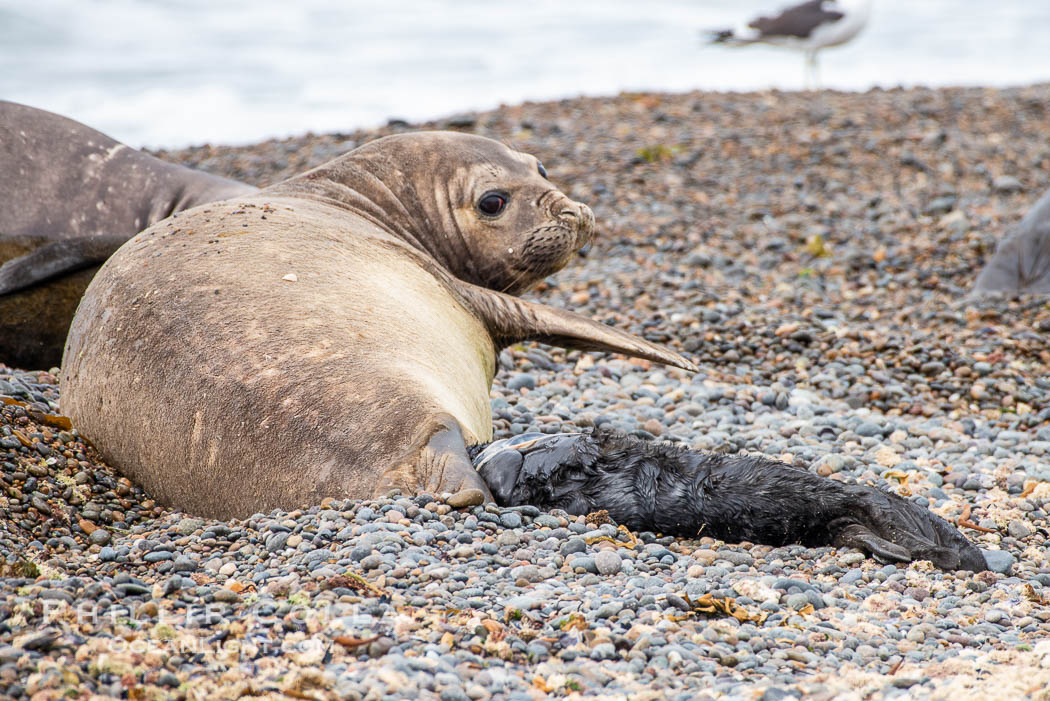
(69, 197)
(333, 335)
(1021, 264)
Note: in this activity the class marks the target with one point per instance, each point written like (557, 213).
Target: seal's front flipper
(512, 320)
(655, 486)
(57, 258)
(857, 536)
(437, 462)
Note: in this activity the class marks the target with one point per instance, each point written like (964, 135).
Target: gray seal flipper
(1021, 264)
(513, 320)
(57, 258)
(436, 461)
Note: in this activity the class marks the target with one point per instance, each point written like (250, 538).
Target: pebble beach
(813, 253)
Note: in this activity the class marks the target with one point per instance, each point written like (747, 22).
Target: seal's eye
(539, 167)
(492, 203)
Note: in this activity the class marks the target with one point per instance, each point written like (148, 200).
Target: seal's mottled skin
(333, 335)
(69, 197)
(1021, 264)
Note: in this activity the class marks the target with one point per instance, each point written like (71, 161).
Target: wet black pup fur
(657, 486)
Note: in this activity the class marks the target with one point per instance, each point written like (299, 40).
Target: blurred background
(178, 72)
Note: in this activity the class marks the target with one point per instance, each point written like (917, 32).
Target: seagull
(809, 26)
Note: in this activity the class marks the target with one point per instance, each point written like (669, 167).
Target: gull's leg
(812, 79)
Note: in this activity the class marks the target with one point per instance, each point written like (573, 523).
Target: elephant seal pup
(333, 335)
(656, 486)
(1021, 264)
(69, 197)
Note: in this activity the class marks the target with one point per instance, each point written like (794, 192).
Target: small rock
(511, 519)
(941, 205)
(1006, 184)
(996, 616)
(654, 427)
(372, 562)
(868, 429)
(530, 573)
(277, 541)
(57, 595)
(1018, 529)
(887, 456)
(523, 380)
(37, 640)
(188, 526)
(380, 647)
(168, 679)
(466, 497)
(999, 560)
(184, 564)
(608, 562)
(226, 595)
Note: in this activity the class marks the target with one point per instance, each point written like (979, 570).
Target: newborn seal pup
(655, 486)
(333, 335)
(69, 197)
(1021, 264)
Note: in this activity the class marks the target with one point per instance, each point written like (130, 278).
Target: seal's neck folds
(402, 211)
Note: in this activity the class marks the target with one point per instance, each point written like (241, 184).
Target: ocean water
(179, 72)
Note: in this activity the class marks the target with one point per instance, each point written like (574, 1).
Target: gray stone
(277, 541)
(584, 562)
(187, 526)
(1007, 184)
(226, 595)
(184, 564)
(1018, 529)
(547, 521)
(999, 561)
(511, 519)
(608, 562)
(523, 380)
(372, 562)
(868, 429)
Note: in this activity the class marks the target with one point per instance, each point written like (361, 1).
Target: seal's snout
(578, 218)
